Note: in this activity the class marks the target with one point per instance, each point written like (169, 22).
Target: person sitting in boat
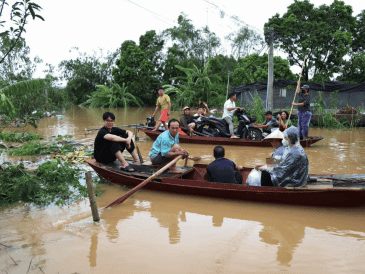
(187, 121)
(292, 171)
(110, 142)
(166, 147)
(269, 125)
(275, 140)
(282, 120)
(222, 170)
(200, 112)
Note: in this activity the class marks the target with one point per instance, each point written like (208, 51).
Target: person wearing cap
(163, 101)
(269, 123)
(187, 121)
(304, 114)
(292, 171)
(228, 111)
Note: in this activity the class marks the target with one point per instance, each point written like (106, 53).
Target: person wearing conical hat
(275, 140)
(292, 171)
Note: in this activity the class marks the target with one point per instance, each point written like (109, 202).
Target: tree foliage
(324, 34)
(113, 97)
(85, 72)
(244, 42)
(353, 70)
(19, 13)
(17, 66)
(137, 72)
(199, 44)
(253, 68)
(195, 85)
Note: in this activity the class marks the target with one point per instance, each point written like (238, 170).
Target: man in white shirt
(229, 108)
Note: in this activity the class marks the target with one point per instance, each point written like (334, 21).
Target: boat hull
(193, 184)
(225, 141)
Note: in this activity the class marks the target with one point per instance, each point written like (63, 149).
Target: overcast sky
(92, 24)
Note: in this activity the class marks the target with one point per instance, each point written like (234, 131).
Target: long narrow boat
(225, 141)
(328, 190)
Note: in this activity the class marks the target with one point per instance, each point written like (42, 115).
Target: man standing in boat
(229, 108)
(163, 101)
(166, 147)
(111, 141)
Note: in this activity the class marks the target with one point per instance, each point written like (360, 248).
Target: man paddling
(163, 101)
(166, 147)
(111, 141)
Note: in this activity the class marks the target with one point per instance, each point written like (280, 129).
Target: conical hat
(277, 134)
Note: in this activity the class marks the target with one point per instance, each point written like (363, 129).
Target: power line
(153, 13)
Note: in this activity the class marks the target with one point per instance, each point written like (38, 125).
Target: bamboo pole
(297, 90)
(93, 205)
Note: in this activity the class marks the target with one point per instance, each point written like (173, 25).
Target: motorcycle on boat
(218, 127)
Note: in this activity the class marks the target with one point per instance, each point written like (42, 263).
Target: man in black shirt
(111, 141)
(223, 170)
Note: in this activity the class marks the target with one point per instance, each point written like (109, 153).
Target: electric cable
(153, 13)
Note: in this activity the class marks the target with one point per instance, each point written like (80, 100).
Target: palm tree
(113, 97)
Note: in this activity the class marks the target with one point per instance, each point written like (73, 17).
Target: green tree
(354, 70)
(199, 44)
(19, 13)
(244, 42)
(324, 34)
(358, 44)
(196, 85)
(17, 66)
(137, 72)
(85, 72)
(152, 44)
(253, 68)
(113, 97)
(174, 57)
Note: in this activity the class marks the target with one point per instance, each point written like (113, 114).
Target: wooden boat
(225, 141)
(328, 190)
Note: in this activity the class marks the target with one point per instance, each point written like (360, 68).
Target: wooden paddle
(297, 90)
(145, 182)
(134, 125)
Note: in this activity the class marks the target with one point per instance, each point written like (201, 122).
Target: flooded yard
(155, 232)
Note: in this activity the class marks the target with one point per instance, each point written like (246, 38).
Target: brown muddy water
(154, 232)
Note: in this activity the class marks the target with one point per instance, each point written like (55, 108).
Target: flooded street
(155, 232)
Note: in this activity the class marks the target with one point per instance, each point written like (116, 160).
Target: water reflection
(282, 226)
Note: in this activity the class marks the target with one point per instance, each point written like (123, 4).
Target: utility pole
(228, 85)
(270, 76)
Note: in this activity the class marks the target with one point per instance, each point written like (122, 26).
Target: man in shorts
(166, 147)
(110, 142)
(163, 101)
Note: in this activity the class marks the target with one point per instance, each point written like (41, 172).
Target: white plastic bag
(254, 178)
